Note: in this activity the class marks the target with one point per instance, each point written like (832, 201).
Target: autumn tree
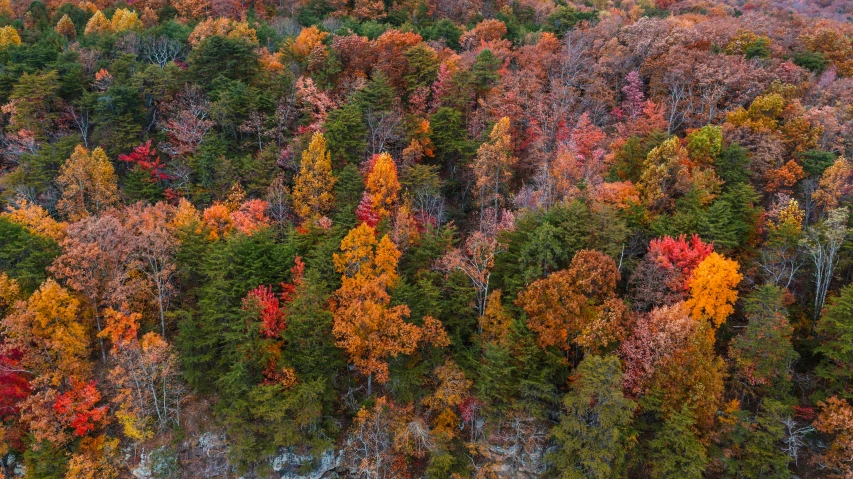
(145, 374)
(576, 306)
(593, 432)
(383, 185)
(664, 175)
(835, 184)
(313, 186)
(88, 184)
(365, 325)
(713, 289)
(373, 449)
(493, 165)
(153, 247)
(494, 324)
(36, 219)
(836, 421)
(95, 252)
(9, 37)
(65, 27)
(99, 24)
(48, 330)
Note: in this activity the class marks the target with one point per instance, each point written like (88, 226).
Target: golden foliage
(304, 44)
(313, 186)
(713, 289)
(834, 184)
(88, 184)
(383, 185)
(99, 24)
(494, 324)
(9, 36)
(48, 322)
(96, 458)
(36, 219)
(223, 27)
(124, 19)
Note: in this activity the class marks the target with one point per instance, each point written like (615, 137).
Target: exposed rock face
(299, 466)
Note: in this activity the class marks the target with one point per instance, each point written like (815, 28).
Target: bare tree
(81, 120)
(160, 50)
(822, 243)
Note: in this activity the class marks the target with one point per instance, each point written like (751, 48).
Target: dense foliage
(425, 238)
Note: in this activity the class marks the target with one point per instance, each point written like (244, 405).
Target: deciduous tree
(313, 186)
(88, 184)
(713, 289)
(382, 185)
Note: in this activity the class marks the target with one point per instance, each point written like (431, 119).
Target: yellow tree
(88, 184)
(494, 324)
(36, 219)
(9, 36)
(382, 185)
(312, 189)
(493, 165)
(713, 289)
(124, 19)
(365, 325)
(99, 24)
(48, 329)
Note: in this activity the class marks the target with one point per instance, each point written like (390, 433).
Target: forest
(438, 239)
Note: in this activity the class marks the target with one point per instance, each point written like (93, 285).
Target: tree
(145, 374)
(836, 420)
(677, 452)
(493, 165)
(382, 185)
(822, 243)
(713, 290)
(124, 19)
(313, 186)
(593, 432)
(372, 450)
(365, 325)
(9, 37)
(475, 259)
(655, 337)
(88, 184)
(681, 254)
(36, 102)
(65, 27)
(24, 255)
(494, 324)
(76, 407)
(576, 306)
(99, 25)
(95, 252)
(835, 328)
(664, 175)
(153, 248)
(763, 354)
(36, 219)
(346, 133)
(47, 329)
(834, 185)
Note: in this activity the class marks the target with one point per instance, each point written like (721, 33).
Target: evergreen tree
(594, 431)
